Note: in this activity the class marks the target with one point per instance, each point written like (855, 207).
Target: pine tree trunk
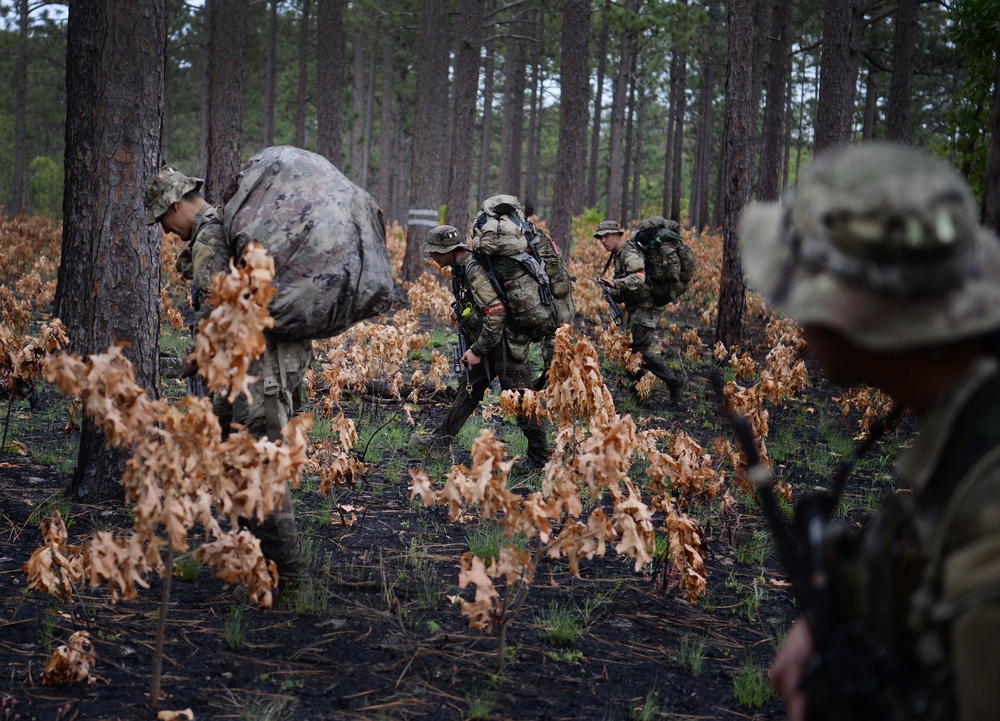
(206, 84)
(769, 187)
(737, 162)
(123, 255)
(668, 151)
(595, 133)
(871, 103)
(269, 72)
(512, 130)
(573, 101)
(678, 151)
(640, 113)
(300, 109)
(838, 72)
(617, 132)
(225, 96)
(463, 121)
(703, 151)
(429, 157)
(483, 185)
(629, 127)
(991, 209)
(20, 110)
(330, 80)
(534, 111)
(904, 54)
(385, 127)
(357, 109)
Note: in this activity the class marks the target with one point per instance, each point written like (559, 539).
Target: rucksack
(659, 240)
(326, 235)
(508, 248)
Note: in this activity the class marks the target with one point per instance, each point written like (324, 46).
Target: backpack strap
(608, 264)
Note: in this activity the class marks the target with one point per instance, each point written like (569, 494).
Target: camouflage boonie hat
(606, 227)
(881, 243)
(166, 188)
(443, 239)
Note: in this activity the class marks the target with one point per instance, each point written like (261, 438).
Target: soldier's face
(174, 221)
(612, 242)
(443, 259)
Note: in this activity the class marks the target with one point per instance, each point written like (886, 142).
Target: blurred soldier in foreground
(494, 349)
(629, 286)
(174, 200)
(879, 257)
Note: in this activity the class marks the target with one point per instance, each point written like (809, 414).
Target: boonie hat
(881, 243)
(166, 188)
(606, 227)
(442, 239)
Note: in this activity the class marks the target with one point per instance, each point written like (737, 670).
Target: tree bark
(629, 129)
(871, 101)
(737, 162)
(300, 110)
(703, 151)
(679, 110)
(512, 130)
(483, 185)
(534, 112)
(991, 204)
(429, 156)
(463, 120)
(615, 137)
(355, 133)
(385, 126)
(904, 53)
(206, 84)
(640, 113)
(225, 102)
(595, 133)
(668, 151)
(366, 141)
(330, 80)
(20, 110)
(122, 256)
(769, 187)
(269, 72)
(573, 101)
(838, 73)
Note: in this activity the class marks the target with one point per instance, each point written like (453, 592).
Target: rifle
(617, 314)
(195, 383)
(853, 674)
(459, 349)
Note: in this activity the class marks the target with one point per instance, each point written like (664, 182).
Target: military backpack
(669, 262)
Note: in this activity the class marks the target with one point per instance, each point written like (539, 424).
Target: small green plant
(425, 573)
(481, 703)
(234, 630)
(281, 708)
(486, 541)
(755, 549)
(755, 596)
(47, 630)
(561, 625)
(186, 568)
(565, 655)
(690, 655)
(751, 685)
(649, 709)
(306, 597)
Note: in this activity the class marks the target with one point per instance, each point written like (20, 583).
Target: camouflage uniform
(279, 371)
(503, 350)
(881, 246)
(630, 287)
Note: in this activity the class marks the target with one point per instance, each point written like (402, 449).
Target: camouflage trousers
(514, 373)
(646, 342)
(279, 372)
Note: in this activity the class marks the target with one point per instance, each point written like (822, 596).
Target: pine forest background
(346, 79)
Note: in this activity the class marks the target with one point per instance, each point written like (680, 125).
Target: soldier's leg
(515, 374)
(280, 370)
(646, 343)
(462, 407)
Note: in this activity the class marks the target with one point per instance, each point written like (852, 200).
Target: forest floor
(377, 634)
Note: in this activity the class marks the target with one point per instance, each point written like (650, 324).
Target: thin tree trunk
(300, 112)
(366, 144)
(668, 152)
(595, 133)
(269, 93)
(637, 172)
(384, 126)
(206, 84)
(357, 108)
(330, 80)
(774, 107)
(463, 121)
(871, 101)
(615, 138)
(531, 174)
(679, 111)
(904, 54)
(737, 161)
(20, 110)
(703, 153)
(428, 153)
(483, 186)
(512, 130)
(991, 205)
(760, 23)
(225, 105)
(787, 150)
(573, 101)
(629, 127)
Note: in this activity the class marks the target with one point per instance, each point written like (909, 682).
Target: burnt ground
(376, 636)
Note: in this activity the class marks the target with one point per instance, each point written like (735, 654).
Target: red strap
(494, 308)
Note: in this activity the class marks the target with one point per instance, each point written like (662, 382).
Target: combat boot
(676, 388)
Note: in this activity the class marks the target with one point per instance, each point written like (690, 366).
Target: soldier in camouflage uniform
(174, 200)
(495, 349)
(629, 287)
(880, 258)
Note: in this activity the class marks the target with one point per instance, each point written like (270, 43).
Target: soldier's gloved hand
(189, 367)
(471, 359)
(786, 671)
(607, 283)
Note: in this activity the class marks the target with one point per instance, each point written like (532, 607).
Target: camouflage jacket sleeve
(210, 251)
(492, 309)
(630, 276)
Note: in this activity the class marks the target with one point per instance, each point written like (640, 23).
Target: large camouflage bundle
(326, 235)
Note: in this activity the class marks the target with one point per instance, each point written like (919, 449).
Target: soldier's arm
(492, 308)
(632, 281)
(210, 254)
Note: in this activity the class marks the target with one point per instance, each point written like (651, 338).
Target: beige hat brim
(873, 321)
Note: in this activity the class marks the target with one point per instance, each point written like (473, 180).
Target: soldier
(495, 349)
(629, 286)
(174, 200)
(880, 258)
